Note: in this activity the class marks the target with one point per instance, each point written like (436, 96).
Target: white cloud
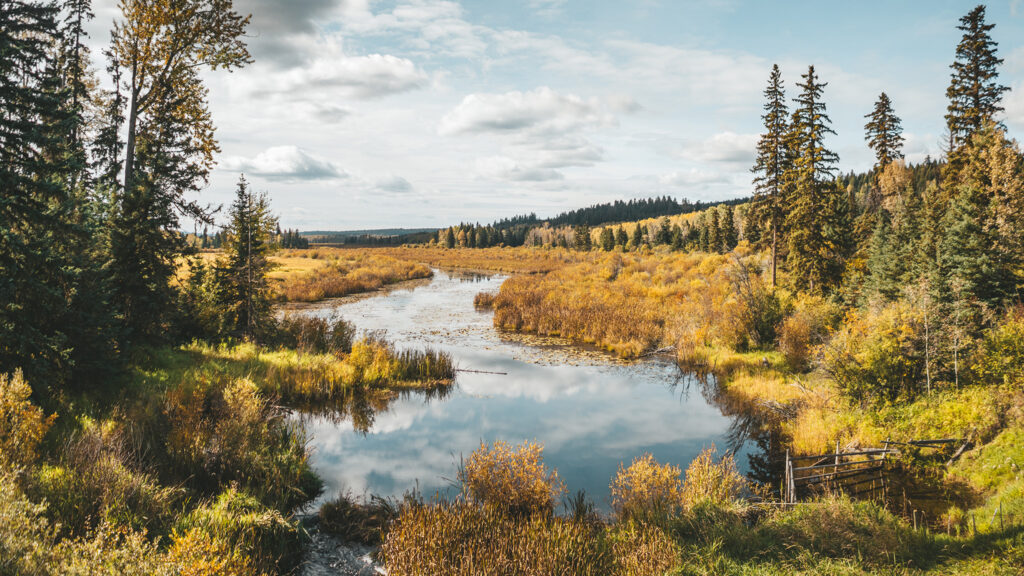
(394, 184)
(540, 111)
(359, 77)
(286, 163)
(730, 148)
(508, 169)
(692, 177)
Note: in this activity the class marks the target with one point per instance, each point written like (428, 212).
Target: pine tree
(884, 133)
(715, 243)
(730, 237)
(621, 238)
(607, 239)
(247, 292)
(974, 93)
(38, 273)
(638, 237)
(982, 247)
(772, 163)
(818, 219)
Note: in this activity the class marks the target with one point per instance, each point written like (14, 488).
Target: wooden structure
(858, 473)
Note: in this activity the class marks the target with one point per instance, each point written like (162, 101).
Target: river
(591, 411)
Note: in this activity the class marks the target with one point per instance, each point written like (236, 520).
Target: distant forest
(514, 231)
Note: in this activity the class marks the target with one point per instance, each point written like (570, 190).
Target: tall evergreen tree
(714, 231)
(37, 276)
(772, 163)
(250, 232)
(817, 222)
(730, 237)
(884, 132)
(974, 92)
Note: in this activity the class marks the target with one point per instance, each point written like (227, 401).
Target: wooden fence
(858, 473)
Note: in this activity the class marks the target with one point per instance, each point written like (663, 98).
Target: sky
(360, 114)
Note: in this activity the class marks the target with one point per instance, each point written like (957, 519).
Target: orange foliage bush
(512, 478)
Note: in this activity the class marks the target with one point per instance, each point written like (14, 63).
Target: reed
(346, 272)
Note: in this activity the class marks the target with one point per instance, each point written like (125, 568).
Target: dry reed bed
(342, 273)
(628, 303)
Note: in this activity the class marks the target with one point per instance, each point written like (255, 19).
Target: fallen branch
(481, 372)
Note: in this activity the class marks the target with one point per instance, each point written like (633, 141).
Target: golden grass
(631, 303)
(316, 274)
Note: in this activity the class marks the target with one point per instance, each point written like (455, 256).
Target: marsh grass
(484, 300)
(346, 272)
(353, 520)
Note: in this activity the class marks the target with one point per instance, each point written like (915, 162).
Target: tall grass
(349, 272)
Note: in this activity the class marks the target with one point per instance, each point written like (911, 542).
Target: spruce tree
(638, 237)
(250, 232)
(772, 164)
(884, 133)
(974, 92)
(817, 222)
(621, 238)
(607, 239)
(714, 231)
(730, 237)
(37, 273)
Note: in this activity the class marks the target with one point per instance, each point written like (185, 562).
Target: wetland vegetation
(162, 413)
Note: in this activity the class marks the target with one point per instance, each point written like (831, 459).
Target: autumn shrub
(260, 539)
(877, 356)
(197, 553)
(29, 544)
(999, 358)
(484, 300)
(761, 310)
(647, 491)
(101, 480)
(22, 424)
(511, 478)
(223, 432)
(708, 481)
(806, 328)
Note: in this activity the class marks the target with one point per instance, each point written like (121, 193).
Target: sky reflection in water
(590, 411)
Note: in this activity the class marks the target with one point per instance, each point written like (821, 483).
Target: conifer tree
(974, 92)
(730, 237)
(621, 238)
(170, 145)
(607, 239)
(638, 237)
(817, 221)
(714, 231)
(884, 133)
(772, 163)
(246, 291)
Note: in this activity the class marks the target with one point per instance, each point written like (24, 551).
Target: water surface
(590, 410)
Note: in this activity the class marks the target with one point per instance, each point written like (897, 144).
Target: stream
(591, 411)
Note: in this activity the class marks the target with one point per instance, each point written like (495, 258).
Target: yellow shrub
(647, 490)
(512, 478)
(22, 424)
(710, 482)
